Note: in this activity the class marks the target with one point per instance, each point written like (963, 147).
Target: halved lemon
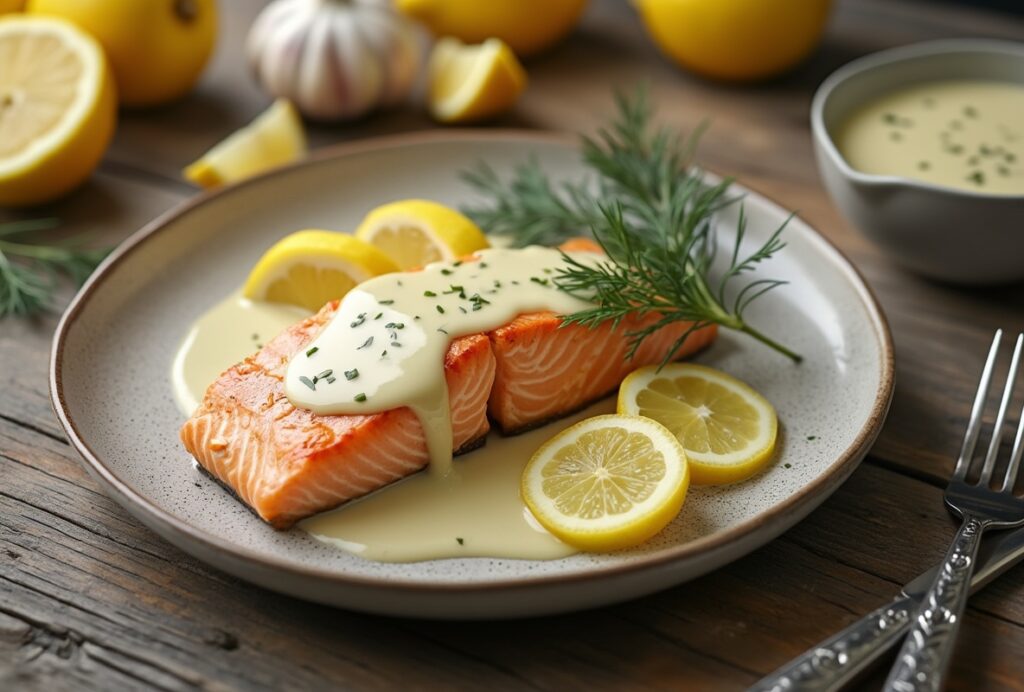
(274, 138)
(727, 429)
(471, 83)
(312, 267)
(608, 482)
(58, 108)
(414, 232)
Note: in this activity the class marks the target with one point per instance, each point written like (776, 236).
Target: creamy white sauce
(424, 516)
(385, 346)
(963, 134)
(225, 335)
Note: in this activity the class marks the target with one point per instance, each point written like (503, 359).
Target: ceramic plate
(111, 390)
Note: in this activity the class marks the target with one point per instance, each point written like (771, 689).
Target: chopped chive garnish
(446, 272)
(812, 438)
(325, 374)
(378, 315)
(439, 309)
(430, 294)
(463, 310)
(460, 540)
(384, 353)
(396, 344)
(537, 280)
(352, 374)
(416, 317)
(977, 177)
(330, 380)
(483, 265)
(442, 330)
(787, 465)
(457, 263)
(366, 344)
(312, 351)
(514, 282)
(923, 165)
(399, 283)
(360, 397)
(889, 118)
(308, 382)
(386, 302)
(970, 111)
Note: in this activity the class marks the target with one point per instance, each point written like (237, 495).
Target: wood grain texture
(89, 599)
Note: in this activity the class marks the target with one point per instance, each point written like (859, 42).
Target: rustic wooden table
(90, 598)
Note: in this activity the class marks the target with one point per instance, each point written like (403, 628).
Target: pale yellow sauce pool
(962, 134)
(228, 333)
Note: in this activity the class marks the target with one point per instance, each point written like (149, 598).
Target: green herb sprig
(29, 271)
(652, 212)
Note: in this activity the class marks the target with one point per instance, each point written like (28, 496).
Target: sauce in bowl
(966, 134)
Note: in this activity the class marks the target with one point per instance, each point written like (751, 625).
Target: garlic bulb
(335, 59)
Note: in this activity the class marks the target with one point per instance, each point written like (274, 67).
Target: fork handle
(924, 659)
(836, 661)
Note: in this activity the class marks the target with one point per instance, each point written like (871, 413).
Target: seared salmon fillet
(288, 463)
(545, 371)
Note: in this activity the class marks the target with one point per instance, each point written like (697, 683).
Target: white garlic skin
(335, 59)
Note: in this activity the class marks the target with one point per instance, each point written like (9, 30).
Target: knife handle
(836, 661)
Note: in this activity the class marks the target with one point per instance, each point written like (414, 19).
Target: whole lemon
(527, 26)
(735, 39)
(157, 48)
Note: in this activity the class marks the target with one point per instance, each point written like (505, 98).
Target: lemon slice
(415, 232)
(727, 429)
(274, 138)
(57, 108)
(608, 482)
(310, 268)
(470, 83)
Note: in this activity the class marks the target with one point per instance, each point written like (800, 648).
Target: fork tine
(974, 424)
(1018, 447)
(997, 431)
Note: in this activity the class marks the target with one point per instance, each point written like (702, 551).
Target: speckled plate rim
(793, 508)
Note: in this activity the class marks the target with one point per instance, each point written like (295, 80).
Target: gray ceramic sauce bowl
(941, 232)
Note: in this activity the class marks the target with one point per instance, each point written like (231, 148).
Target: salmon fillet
(546, 371)
(288, 463)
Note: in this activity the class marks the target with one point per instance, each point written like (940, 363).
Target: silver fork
(924, 659)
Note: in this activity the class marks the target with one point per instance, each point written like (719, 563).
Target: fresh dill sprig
(653, 213)
(28, 271)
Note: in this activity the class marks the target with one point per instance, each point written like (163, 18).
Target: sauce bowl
(951, 234)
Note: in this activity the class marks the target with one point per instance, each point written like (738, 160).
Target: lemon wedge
(472, 83)
(608, 482)
(727, 429)
(57, 108)
(312, 267)
(274, 138)
(415, 232)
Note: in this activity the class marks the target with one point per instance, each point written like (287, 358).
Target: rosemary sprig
(28, 271)
(652, 211)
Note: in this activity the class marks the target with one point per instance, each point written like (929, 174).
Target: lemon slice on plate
(608, 482)
(274, 138)
(471, 83)
(415, 232)
(58, 108)
(727, 429)
(310, 268)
